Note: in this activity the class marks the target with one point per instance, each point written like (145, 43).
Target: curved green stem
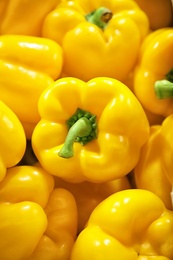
(82, 128)
(100, 17)
(163, 89)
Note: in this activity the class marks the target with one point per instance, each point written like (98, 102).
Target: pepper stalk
(100, 17)
(82, 128)
(164, 88)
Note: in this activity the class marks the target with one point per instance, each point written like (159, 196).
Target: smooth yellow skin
(22, 226)
(154, 63)
(13, 140)
(149, 173)
(59, 237)
(131, 224)
(37, 221)
(122, 129)
(28, 65)
(111, 52)
(166, 132)
(24, 17)
(88, 195)
(24, 183)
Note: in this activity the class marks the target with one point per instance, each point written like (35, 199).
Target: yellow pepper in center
(89, 131)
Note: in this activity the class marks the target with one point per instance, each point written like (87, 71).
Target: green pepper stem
(81, 128)
(99, 17)
(163, 89)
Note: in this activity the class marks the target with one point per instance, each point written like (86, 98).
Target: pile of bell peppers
(86, 105)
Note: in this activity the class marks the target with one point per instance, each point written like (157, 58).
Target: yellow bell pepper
(13, 140)
(100, 41)
(149, 173)
(89, 130)
(153, 72)
(37, 221)
(131, 224)
(88, 195)
(24, 17)
(28, 65)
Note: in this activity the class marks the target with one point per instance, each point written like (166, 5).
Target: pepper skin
(159, 12)
(27, 66)
(149, 173)
(13, 140)
(167, 141)
(167, 154)
(24, 17)
(89, 131)
(37, 221)
(88, 195)
(131, 224)
(102, 42)
(155, 64)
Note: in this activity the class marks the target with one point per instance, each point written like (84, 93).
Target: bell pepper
(155, 64)
(24, 17)
(89, 130)
(28, 65)
(88, 195)
(160, 12)
(130, 224)
(98, 35)
(37, 221)
(13, 140)
(149, 173)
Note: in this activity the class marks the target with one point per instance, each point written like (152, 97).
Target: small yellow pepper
(131, 224)
(28, 65)
(37, 221)
(88, 195)
(13, 140)
(89, 131)
(149, 173)
(153, 73)
(99, 38)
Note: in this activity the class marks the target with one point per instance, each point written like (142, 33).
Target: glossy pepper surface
(101, 41)
(28, 65)
(149, 172)
(153, 74)
(89, 131)
(24, 17)
(13, 140)
(37, 221)
(167, 154)
(88, 195)
(122, 227)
